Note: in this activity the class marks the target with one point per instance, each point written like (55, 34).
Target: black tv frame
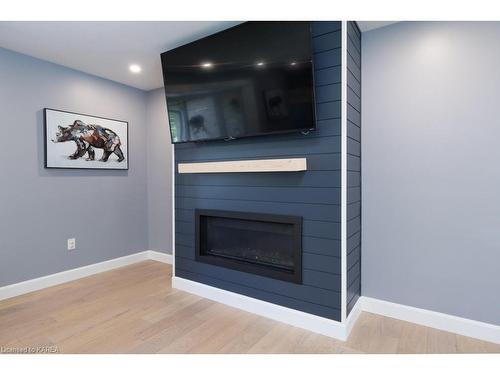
(250, 135)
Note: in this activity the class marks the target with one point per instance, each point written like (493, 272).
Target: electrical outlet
(71, 244)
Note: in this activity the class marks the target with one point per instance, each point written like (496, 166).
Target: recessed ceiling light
(293, 63)
(134, 68)
(260, 63)
(207, 65)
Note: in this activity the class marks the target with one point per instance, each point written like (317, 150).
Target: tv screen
(252, 79)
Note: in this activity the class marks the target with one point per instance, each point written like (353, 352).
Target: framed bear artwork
(78, 141)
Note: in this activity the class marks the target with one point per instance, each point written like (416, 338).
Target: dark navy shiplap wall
(353, 164)
(314, 195)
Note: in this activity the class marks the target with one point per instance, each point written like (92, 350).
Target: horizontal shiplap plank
(321, 263)
(353, 194)
(353, 241)
(183, 251)
(321, 129)
(323, 229)
(352, 32)
(353, 68)
(327, 41)
(353, 179)
(321, 310)
(183, 215)
(353, 226)
(353, 210)
(328, 110)
(353, 116)
(327, 76)
(353, 273)
(322, 246)
(353, 27)
(353, 99)
(328, 93)
(353, 163)
(184, 239)
(327, 59)
(353, 52)
(321, 280)
(298, 179)
(353, 256)
(355, 44)
(240, 149)
(315, 262)
(312, 245)
(308, 211)
(314, 195)
(329, 127)
(353, 83)
(324, 162)
(353, 131)
(352, 303)
(307, 293)
(353, 147)
(353, 291)
(323, 27)
(310, 228)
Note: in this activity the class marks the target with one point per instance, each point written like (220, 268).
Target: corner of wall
(159, 173)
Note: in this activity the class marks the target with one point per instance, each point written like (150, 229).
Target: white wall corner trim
(343, 179)
(428, 318)
(43, 282)
(269, 310)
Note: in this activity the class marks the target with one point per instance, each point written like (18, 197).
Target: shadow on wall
(44, 172)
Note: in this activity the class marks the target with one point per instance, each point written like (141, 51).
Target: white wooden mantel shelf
(238, 166)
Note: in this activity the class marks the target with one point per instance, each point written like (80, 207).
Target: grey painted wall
(353, 164)
(159, 152)
(106, 211)
(314, 195)
(431, 176)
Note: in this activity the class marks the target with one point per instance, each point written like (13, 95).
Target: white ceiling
(106, 49)
(371, 25)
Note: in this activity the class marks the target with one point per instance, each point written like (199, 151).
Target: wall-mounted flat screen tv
(252, 79)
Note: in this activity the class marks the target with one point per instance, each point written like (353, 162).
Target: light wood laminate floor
(134, 310)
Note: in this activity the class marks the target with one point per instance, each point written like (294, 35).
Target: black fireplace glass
(264, 244)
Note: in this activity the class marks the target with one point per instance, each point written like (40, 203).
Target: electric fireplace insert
(263, 244)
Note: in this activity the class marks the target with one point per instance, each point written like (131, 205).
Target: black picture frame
(92, 163)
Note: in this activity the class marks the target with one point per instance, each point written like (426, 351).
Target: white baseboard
(341, 331)
(43, 282)
(160, 257)
(352, 317)
(444, 322)
(269, 310)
